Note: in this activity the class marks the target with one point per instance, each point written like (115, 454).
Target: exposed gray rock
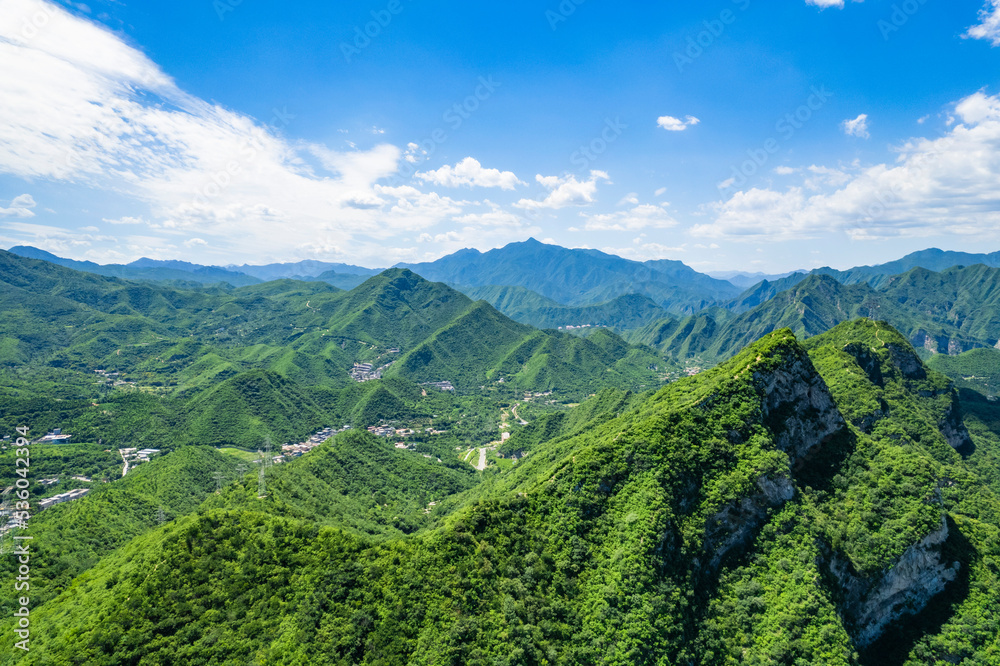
(870, 605)
(907, 362)
(799, 408)
(953, 429)
(737, 523)
(868, 361)
(801, 414)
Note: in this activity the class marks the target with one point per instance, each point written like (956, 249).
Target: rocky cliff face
(737, 523)
(798, 408)
(800, 412)
(907, 362)
(954, 430)
(870, 605)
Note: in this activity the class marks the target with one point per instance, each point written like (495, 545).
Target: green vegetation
(977, 369)
(700, 522)
(72, 537)
(834, 501)
(939, 313)
(624, 313)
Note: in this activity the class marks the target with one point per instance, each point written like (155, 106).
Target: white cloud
(80, 105)
(471, 173)
(646, 216)
(826, 3)
(194, 242)
(644, 250)
(496, 217)
(422, 209)
(782, 171)
(20, 206)
(126, 220)
(630, 198)
(565, 191)
(672, 124)
(944, 186)
(660, 192)
(857, 127)
(55, 239)
(989, 23)
(820, 176)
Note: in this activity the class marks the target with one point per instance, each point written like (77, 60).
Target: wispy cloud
(19, 207)
(948, 185)
(644, 216)
(988, 27)
(80, 105)
(857, 127)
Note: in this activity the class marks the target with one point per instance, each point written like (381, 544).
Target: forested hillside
(120, 361)
(797, 504)
(940, 313)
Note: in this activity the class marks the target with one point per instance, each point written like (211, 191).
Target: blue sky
(726, 134)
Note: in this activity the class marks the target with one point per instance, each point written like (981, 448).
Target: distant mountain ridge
(579, 277)
(944, 312)
(878, 275)
(308, 332)
(144, 269)
(624, 313)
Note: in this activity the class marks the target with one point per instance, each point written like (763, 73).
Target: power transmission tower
(269, 459)
(219, 478)
(161, 516)
(261, 484)
(241, 470)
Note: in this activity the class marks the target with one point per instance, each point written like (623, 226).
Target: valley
(796, 479)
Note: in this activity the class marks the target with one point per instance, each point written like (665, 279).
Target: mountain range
(816, 493)
(945, 312)
(547, 286)
(817, 504)
(235, 365)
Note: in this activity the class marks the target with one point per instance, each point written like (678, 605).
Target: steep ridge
(682, 482)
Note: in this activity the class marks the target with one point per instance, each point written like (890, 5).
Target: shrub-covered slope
(786, 507)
